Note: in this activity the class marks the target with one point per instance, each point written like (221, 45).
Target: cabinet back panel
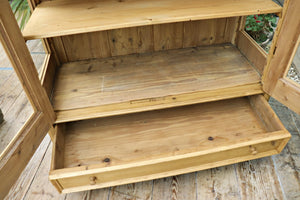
(144, 39)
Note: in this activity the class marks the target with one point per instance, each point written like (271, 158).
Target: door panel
(275, 81)
(293, 73)
(18, 152)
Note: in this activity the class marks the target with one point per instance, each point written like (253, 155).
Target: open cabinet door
(275, 80)
(17, 154)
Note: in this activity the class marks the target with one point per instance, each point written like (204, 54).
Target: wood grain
(208, 32)
(86, 46)
(142, 190)
(65, 17)
(48, 74)
(154, 124)
(19, 190)
(252, 51)
(153, 147)
(218, 183)
(41, 188)
(151, 78)
(158, 103)
(168, 36)
(19, 151)
(258, 180)
(288, 92)
(175, 187)
(20, 58)
(143, 39)
(131, 40)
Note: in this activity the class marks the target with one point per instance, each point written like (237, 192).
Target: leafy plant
(21, 10)
(260, 26)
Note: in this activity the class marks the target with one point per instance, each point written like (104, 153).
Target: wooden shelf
(142, 146)
(65, 17)
(140, 82)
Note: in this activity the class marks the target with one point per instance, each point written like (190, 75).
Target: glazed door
(17, 153)
(281, 76)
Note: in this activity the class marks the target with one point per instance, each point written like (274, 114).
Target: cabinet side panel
(252, 51)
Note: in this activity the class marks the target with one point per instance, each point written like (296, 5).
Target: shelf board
(142, 146)
(139, 82)
(65, 17)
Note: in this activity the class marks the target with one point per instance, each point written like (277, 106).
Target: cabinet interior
(119, 71)
(148, 89)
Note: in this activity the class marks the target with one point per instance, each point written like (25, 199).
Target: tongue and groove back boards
(144, 39)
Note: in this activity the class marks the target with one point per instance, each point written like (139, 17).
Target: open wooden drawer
(129, 148)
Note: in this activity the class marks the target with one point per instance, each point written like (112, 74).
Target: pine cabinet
(134, 90)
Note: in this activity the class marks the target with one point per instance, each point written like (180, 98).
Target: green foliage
(259, 26)
(21, 10)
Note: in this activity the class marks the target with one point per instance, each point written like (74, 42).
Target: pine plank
(144, 39)
(176, 187)
(19, 189)
(130, 128)
(153, 147)
(137, 191)
(86, 46)
(287, 164)
(100, 194)
(135, 81)
(130, 40)
(66, 17)
(251, 49)
(258, 180)
(41, 188)
(196, 35)
(218, 183)
(168, 36)
(288, 38)
(85, 195)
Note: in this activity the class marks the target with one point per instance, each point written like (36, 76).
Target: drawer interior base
(116, 150)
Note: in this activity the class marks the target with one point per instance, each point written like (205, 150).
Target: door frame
(22, 147)
(274, 80)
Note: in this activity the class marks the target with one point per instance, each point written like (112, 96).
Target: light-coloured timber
(19, 151)
(143, 39)
(138, 82)
(48, 74)
(275, 83)
(252, 51)
(66, 17)
(148, 145)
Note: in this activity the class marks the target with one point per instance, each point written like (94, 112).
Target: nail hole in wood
(253, 150)
(107, 160)
(210, 138)
(93, 180)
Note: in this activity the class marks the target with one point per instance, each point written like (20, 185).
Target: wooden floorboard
(218, 183)
(274, 177)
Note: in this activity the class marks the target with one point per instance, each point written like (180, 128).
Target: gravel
(294, 74)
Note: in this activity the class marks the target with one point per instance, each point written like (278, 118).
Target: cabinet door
(20, 149)
(276, 81)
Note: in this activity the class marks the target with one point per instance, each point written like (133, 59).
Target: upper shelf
(66, 17)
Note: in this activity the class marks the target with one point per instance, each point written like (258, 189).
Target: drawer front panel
(170, 168)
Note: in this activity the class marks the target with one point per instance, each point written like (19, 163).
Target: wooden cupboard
(133, 90)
